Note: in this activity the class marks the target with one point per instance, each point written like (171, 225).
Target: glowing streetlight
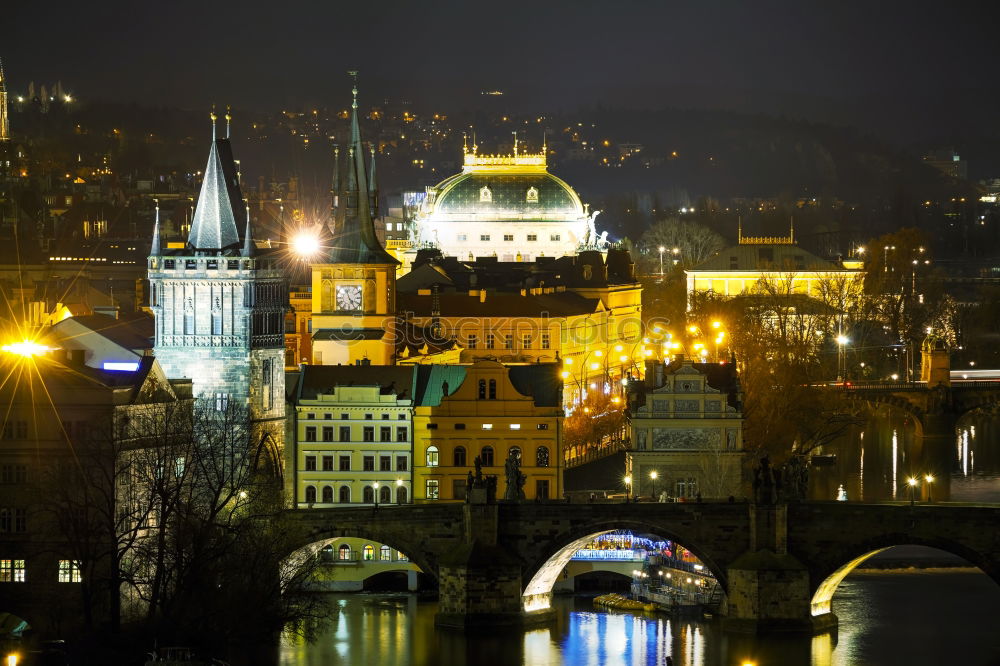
(26, 348)
(375, 494)
(929, 478)
(716, 324)
(662, 250)
(628, 488)
(305, 245)
(912, 481)
(653, 475)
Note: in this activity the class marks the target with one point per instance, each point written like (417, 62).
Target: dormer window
(485, 194)
(532, 196)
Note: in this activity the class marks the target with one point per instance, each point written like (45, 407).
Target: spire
(213, 117)
(154, 250)
(355, 241)
(229, 120)
(214, 224)
(373, 184)
(248, 245)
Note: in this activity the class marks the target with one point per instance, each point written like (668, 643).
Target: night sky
(905, 69)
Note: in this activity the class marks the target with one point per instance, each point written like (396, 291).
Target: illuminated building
(505, 206)
(739, 269)
(687, 429)
(4, 121)
(353, 286)
(486, 410)
(219, 301)
(346, 563)
(353, 434)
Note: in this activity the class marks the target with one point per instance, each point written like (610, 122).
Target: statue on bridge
(794, 479)
(515, 480)
(766, 483)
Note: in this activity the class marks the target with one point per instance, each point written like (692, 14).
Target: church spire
(214, 224)
(373, 184)
(248, 245)
(154, 249)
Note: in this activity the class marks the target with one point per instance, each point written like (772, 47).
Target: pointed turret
(355, 241)
(154, 249)
(335, 190)
(248, 245)
(213, 227)
(372, 185)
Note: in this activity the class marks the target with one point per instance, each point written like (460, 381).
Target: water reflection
(875, 460)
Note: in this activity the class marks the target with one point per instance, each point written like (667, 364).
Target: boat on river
(618, 602)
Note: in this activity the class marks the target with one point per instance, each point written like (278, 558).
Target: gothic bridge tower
(219, 301)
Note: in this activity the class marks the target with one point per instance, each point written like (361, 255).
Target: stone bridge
(779, 565)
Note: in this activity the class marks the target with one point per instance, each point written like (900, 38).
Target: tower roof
(214, 224)
(354, 240)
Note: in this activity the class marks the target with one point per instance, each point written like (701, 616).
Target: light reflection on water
(910, 617)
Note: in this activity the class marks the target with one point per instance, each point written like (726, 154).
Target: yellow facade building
(486, 410)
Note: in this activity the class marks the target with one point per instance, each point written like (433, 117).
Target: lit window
(369, 552)
(484, 237)
(11, 571)
(487, 426)
(432, 489)
(385, 553)
(508, 237)
(344, 552)
(69, 571)
(515, 426)
(432, 456)
(532, 237)
(545, 340)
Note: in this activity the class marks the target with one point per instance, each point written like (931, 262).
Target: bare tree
(694, 243)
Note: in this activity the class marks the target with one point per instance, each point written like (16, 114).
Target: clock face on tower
(348, 297)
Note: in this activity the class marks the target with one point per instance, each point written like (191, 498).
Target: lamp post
(399, 484)
(662, 250)
(375, 494)
(913, 485)
(842, 341)
(929, 478)
(653, 475)
(628, 488)
(885, 257)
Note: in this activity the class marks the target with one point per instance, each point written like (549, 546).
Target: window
(541, 489)
(482, 389)
(526, 341)
(385, 463)
(484, 237)
(310, 494)
(368, 495)
(532, 237)
(487, 456)
(487, 426)
(344, 552)
(216, 322)
(311, 416)
(459, 426)
(369, 417)
(327, 463)
(69, 571)
(221, 402)
(369, 464)
(401, 464)
(344, 494)
(458, 489)
(369, 433)
(400, 494)
(328, 416)
(459, 457)
(385, 553)
(493, 389)
(385, 417)
(554, 237)
(327, 433)
(462, 238)
(545, 340)
(345, 463)
(13, 474)
(310, 463)
(385, 494)
(542, 426)
(515, 452)
(490, 341)
(542, 456)
(327, 494)
(515, 426)
(385, 434)
(369, 552)
(508, 341)
(345, 433)
(401, 433)
(432, 456)
(508, 237)
(344, 417)
(401, 417)
(310, 433)
(471, 341)
(432, 489)
(432, 426)
(11, 571)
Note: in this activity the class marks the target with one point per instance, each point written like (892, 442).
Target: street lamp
(662, 250)
(913, 485)
(842, 341)
(375, 486)
(929, 478)
(885, 257)
(653, 475)
(628, 488)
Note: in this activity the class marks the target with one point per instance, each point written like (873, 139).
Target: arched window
(328, 494)
(493, 389)
(515, 451)
(369, 552)
(344, 552)
(400, 494)
(385, 553)
(542, 456)
(310, 494)
(482, 389)
(345, 494)
(326, 553)
(385, 494)
(369, 495)
(487, 456)
(432, 456)
(459, 456)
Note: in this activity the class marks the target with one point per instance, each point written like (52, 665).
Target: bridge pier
(769, 589)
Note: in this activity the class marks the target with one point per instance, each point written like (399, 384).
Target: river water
(914, 618)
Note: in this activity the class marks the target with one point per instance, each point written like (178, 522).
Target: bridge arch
(874, 400)
(827, 581)
(554, 555)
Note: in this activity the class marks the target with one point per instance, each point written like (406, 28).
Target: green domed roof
(521, 196)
